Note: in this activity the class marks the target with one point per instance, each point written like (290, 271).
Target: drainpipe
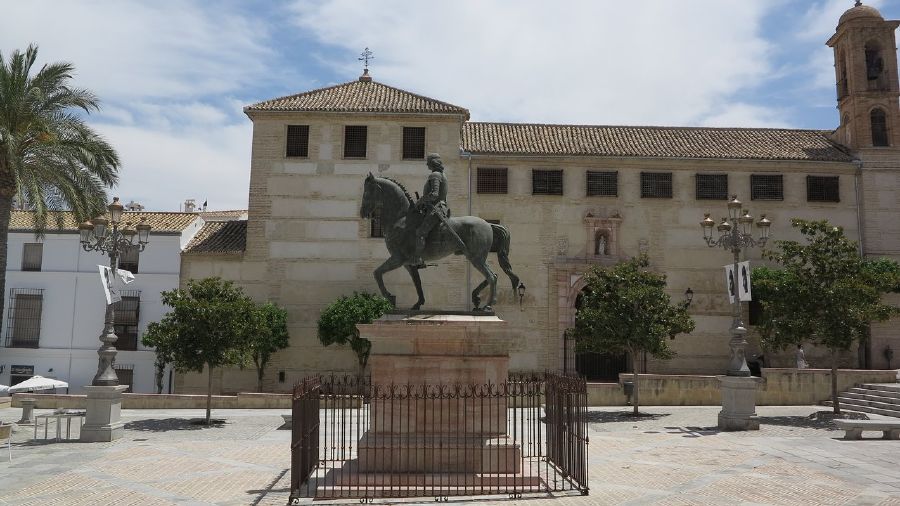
(468, 155)
(859, 224)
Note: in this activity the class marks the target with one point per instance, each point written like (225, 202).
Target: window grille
(127, 314)
(375, 226)
(125, 373)
(298, 141)
(493, 180)
(128, 259)
(823, 189)
(712, 186)
(24, 317)
(766, 187)
(32, 255)
(656, 185)
(879, 128)
(546, 182)
(413, 143)
(602, 184)
(355, 141)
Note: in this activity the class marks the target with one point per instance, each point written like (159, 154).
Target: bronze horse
(399, 220)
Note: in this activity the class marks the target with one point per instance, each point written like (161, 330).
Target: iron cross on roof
(364, 57)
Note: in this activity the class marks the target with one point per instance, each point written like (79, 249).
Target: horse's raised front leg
(388, 265)
(414, 274)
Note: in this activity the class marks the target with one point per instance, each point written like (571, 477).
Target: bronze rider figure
(432, 204)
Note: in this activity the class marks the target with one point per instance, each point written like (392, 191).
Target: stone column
(738, 403)
(27, 412)
(103, 422)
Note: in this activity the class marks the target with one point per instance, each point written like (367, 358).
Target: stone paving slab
(676, 456)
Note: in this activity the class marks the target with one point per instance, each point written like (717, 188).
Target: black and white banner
(741, 278)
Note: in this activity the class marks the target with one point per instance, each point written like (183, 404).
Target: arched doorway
(598, 366)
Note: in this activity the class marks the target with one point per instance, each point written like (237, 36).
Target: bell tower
(865, 64)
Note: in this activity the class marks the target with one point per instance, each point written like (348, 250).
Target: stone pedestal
(438, 431)
(103, 419)
(27, 412)
(738, 403)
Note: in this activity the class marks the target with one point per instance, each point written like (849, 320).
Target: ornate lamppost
(738, 389)
(106, 236)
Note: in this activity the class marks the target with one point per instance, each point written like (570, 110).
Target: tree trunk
(209, 395)
(260, 373)
(634, 372)
(5, 212)
(834, 383)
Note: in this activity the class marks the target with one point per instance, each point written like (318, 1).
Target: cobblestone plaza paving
(674, 457)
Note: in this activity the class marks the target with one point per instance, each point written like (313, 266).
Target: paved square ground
(674, 457)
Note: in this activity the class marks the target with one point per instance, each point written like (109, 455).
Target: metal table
(59, 417)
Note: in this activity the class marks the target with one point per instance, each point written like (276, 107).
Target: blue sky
(174, 75)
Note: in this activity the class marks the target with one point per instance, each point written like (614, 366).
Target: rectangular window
(128, 260)
(125, 373)
(24, 317)
(546, 182)
(602, 184)
(298, 141)
(656, 185)
(20, 373)
(492, 180)
(127, 314)
(375, 228)
(766, 187)
(413, 143)
(712, 186)
(823, 189)
(355, 141)
(32, 255)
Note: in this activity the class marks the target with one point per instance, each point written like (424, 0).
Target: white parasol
(36, 383)
(4, 390)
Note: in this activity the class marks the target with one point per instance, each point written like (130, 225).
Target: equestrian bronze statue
(415, 232)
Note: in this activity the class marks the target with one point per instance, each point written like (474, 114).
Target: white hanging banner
(729, 282)
(108, 281)
(744, 281)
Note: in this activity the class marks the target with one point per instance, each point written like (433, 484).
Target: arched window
(842, 87)
(875, 66)
(879, 128)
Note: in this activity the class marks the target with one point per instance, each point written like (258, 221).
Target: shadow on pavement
(817, 420)
(167, 424)
(620, 416)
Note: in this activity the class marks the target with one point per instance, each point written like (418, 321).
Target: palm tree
(50, 159)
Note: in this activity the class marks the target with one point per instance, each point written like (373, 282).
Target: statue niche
(602, 235)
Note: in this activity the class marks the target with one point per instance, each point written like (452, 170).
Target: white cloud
(747, 115)
(656, 61)
(822, 17)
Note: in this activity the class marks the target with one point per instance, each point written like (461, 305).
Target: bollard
(27, 412)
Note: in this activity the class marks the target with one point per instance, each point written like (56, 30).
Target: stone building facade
(571, 196)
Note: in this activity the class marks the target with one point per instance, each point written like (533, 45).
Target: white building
(55, 305)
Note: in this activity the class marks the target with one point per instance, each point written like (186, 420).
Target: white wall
(74, 306)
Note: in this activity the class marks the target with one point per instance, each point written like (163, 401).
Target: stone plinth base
(738, 403)
(27, 412)
(388, 453)
(103, 418)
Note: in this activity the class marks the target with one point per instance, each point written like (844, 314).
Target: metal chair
(6, 433)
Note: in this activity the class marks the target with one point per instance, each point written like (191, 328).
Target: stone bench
(854, 428)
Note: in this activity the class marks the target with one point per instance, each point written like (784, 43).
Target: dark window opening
(875, 75)
(20, 373)
(355, 138)
(823, 189)
(756, 312)
(413, 143)
(492, 181)
(656, 185)
(125, 373)
(879, 128)
(24, 317)
(766, 187)
(127, 314)
(842, 86)
(602, 184)
(546, 182)
(375, 225)
(32, 256)
(128, 259)
(712, 186)
(298, 141)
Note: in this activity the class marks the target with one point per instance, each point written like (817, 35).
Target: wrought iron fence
(355, 439)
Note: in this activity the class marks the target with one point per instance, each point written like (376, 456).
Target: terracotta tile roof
(359, 96)
(653, 142)
(229, 215)
(21, 221)
(219, 238)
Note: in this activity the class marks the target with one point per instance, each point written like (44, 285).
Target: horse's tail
(501, 247)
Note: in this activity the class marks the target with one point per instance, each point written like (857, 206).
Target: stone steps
(876, 398)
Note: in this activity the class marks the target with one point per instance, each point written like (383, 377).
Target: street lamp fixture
(521, 291)
(735, 235)
(106, 236)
